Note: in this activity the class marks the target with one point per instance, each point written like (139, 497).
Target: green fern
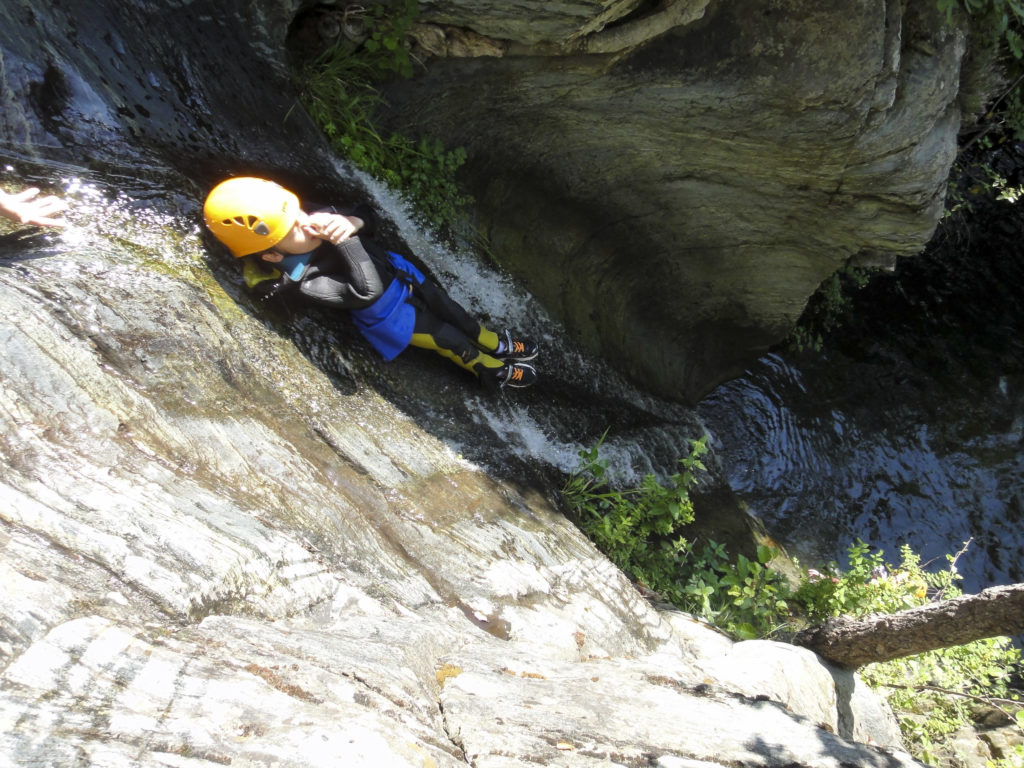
(340, 94)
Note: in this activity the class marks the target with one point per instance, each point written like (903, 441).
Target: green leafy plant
(827, 308)
(641, 530)
(931, 693)
(934, 694)
(638, 528)
(869, 585)
(992, 98)
(387, 27)
(339, 91)
(1006, 17)
(746, 597)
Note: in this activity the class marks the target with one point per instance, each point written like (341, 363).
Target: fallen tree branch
(852, 642)
(995, 701)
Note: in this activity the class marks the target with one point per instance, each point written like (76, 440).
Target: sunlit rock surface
(212, 554)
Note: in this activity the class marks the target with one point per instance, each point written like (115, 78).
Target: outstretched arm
(25, 208)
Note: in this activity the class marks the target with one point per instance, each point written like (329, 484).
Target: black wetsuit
(393, 303)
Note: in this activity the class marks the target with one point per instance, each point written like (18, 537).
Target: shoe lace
(516, 374)
(518, 347)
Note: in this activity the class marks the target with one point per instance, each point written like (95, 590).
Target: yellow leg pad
(426, 341)
(487, 339)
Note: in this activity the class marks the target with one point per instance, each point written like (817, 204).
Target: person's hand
(331, 226)
(25, 208)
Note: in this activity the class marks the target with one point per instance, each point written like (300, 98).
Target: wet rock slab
(212, 554)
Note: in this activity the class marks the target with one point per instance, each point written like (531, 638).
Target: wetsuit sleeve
(349, 279)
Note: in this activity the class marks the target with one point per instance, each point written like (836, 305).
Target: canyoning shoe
(517, 375)
(515, 349)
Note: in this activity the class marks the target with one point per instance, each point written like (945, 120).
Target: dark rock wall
(201, 87)
(677, 202)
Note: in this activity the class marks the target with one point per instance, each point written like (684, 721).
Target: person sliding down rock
(330, 258)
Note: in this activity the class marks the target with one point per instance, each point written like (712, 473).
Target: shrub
(339, 91)
(933, 693)
(641, 530)
(992, 84)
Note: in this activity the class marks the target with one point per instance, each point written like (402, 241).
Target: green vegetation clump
(994, 65)
(933, 694)
(1003, 19)
(870, 585)
(340, 92)
(992, 100)
(641, 530)
(828, 308)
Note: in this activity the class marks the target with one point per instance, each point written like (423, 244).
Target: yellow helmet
(250, 215)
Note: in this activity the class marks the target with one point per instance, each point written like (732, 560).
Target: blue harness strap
(388, 323)
(404, 265)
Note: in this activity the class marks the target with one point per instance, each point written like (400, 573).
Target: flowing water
(871, 439)
(908, 428)
(122, 218)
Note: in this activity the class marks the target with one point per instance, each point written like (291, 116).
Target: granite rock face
(213, 556)
(674, 184)
(217, 551)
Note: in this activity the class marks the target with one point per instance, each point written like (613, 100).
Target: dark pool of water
(908, 427)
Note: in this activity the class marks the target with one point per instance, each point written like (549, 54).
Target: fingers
(330, 226)
(41, 212)
(23, 207)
